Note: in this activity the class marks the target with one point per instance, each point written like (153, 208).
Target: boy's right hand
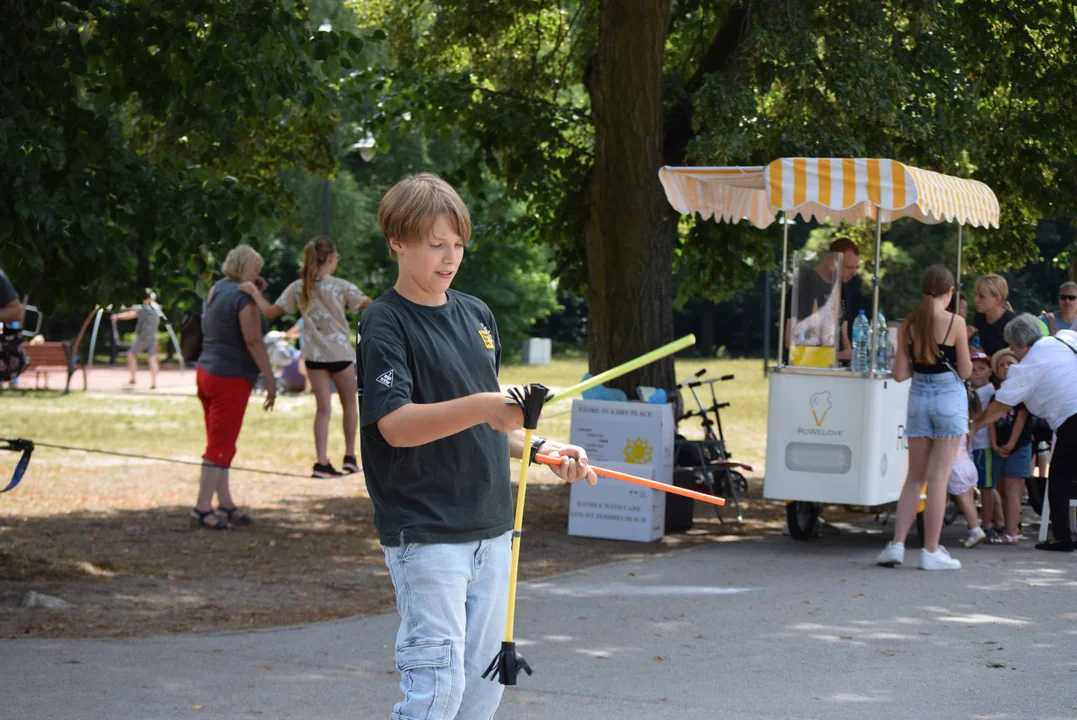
(502, 414)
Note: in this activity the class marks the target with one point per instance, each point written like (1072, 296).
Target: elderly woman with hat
(1045, 381)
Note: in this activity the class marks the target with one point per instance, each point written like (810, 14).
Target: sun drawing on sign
(638, 451)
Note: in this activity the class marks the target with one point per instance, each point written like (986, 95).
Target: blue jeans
(938, 406)
(452, 600)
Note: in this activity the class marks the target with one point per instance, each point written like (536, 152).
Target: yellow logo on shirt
(487, 338)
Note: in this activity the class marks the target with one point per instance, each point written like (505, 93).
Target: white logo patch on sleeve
(386, 379)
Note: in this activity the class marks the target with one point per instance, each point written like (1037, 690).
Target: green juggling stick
(624, 368)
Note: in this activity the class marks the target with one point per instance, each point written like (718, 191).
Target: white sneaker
(938, 560)
(892, 555)
(975, 537)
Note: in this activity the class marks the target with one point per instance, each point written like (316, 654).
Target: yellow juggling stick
(507, 665)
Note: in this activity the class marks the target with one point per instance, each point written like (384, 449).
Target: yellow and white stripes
(967, 202)
(834, 188)
(728, 194)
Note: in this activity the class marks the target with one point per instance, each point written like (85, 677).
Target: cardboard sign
(634, 438)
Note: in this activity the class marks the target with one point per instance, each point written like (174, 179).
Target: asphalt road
(751, 628)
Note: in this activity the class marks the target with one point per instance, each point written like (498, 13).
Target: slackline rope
(156, 458)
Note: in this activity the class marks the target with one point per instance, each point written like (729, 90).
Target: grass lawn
(172, 425)
(109, 534)
(744, 422)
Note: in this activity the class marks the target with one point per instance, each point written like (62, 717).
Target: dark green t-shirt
(456, 489)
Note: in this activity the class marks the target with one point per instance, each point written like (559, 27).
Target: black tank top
(947, 353)
(946, 360)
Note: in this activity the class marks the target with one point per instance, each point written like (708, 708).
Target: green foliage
(141, 139)
(503, 82)
(502, 266)
(969, 89)
(981, 90)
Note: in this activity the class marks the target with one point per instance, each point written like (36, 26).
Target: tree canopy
(152, 135)
(977, 90)
(139, 133)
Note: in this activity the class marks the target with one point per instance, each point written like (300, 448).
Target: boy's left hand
(575, 467)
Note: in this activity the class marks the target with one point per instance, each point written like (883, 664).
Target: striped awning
(836, 188)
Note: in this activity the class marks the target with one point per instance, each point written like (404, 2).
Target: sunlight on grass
(282, 440)
(744, 422)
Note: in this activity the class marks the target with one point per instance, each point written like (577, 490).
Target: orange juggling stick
(702, 497)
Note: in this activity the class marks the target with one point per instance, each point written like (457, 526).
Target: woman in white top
(328, 350)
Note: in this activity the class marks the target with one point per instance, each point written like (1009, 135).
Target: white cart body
(835, 437)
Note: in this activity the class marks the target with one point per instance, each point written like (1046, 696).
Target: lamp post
(327, 198)
(365, 147)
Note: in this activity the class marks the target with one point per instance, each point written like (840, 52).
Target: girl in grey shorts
(934, 352)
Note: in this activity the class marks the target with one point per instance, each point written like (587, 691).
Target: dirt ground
(143, 572)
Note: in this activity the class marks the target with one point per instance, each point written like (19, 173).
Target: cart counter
(835, 437)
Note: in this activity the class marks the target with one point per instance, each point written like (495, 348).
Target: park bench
(59, 356)
(54, 356)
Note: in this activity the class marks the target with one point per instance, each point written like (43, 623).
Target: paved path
(751, 628)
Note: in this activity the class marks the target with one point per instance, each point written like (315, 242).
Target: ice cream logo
(820, 406)
(638, 451)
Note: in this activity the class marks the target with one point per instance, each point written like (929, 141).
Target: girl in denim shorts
(934, 352)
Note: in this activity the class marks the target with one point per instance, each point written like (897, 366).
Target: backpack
(13, 359)
(191, 336)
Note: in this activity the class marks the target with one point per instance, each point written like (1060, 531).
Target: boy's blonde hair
(239, 260)
(410, 207)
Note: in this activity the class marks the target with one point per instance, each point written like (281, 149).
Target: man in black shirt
(814, 301)
(13, 359)
(437, 433)
(10, 307)
(852, 299)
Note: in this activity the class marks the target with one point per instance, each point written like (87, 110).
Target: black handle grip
(688, 382)
(719, 406)
(709, 381)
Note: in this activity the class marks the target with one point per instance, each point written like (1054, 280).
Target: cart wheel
(802, 517)
(1037, 487)
(740, 483)
(920, 527)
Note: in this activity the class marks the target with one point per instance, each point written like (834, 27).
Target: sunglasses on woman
(1067, 297)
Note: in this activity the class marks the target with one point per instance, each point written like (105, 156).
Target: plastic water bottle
(861, 343)
(881, 344)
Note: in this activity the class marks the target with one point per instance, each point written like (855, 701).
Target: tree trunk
(631, 227)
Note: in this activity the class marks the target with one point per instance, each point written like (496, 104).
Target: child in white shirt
(965, 475)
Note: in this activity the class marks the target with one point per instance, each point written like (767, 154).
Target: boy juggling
(436, 436)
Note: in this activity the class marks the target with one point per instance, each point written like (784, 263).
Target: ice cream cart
(834, 437)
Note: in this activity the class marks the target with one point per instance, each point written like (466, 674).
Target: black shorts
(331, 367)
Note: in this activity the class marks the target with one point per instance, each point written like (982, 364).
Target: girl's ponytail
(315, 254)
(937, 281)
